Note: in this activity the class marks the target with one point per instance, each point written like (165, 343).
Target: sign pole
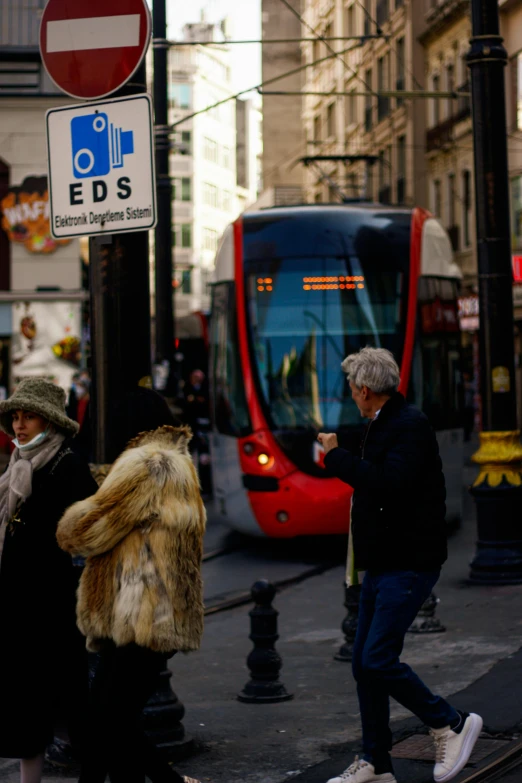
(164, 300)
(120, 325)
(498, 487)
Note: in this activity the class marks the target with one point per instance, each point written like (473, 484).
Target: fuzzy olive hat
(38, 396)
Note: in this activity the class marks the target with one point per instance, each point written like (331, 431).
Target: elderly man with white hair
(399, 541)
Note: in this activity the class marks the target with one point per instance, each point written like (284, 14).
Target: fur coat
(142, 534)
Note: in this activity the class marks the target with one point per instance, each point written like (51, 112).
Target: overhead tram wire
(219, 44)
(452, 94)
(259, 86)
(324, 40)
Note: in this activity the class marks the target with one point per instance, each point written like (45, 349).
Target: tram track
(507, 760)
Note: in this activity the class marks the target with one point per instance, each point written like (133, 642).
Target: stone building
(282, 127)
(384, 136)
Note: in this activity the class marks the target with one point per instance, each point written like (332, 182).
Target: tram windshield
(306, 315)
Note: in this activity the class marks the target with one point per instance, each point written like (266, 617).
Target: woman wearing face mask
(37, 579)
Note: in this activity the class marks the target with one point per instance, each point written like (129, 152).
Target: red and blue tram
(297, 289)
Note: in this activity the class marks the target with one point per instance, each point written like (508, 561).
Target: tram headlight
(282, 516)
(263, 459)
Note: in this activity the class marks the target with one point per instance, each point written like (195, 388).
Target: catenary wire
(257, 87)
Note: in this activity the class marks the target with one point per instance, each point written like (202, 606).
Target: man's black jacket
(399, 493)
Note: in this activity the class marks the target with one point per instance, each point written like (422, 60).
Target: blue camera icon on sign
(98, 146)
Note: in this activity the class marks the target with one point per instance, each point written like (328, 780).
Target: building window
(384, 176)
(383, 103)
(367, 16)
(182, 189)
(516, 212)
(227, 201)
(351, 108)
(210, 195)
(210, 239)
(516, 92)
(186, 143)
(466, 207)
(179, 96)
(435, 83)
(436, 198)
(383, 11)
(401, 169)
(317, 128)
(330, 120)
(451, 200)
(227, 157)
(400, 82)
(350, 21)
(182, 235)
(450, 87)
(368, 181)
(333, 191)
(186, 281)
(210, 150)
(368, 101)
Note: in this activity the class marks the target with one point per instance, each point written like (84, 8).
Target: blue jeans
(389, 603)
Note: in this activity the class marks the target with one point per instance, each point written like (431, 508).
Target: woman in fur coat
(140, 594)
(37, 579)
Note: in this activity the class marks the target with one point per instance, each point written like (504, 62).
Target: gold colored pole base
(500, 458)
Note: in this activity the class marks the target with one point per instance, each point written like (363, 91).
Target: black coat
(43, 664)
(399, 492)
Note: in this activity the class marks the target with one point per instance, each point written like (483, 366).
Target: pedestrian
(399, 541)
(140, 595)
(43, 663)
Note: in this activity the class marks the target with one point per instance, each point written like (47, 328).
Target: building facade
(449, 140)
(203, 161)
(283, 133)
(344, 117)
(249, 150)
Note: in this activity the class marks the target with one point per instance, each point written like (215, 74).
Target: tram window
(436, 384)
(228, 399)
(305, 316)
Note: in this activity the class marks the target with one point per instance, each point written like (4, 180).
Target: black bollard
(264, 661)
(352, 593)
(426, 622)
(162, 718)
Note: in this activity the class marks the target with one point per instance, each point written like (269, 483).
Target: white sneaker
(452, 750)
(362, 772)
(189, 780)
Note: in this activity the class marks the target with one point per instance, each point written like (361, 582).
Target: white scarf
(16, 482)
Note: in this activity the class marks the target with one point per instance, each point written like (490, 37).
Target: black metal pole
(120, 322)
(164, 321)
(497, 490)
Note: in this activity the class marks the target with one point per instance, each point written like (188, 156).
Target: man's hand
(328, 441)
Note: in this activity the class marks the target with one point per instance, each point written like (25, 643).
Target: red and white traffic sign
(90, 48)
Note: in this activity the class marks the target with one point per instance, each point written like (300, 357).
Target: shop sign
(25, 216)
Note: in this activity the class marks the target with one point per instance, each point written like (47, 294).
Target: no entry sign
(90, 48)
